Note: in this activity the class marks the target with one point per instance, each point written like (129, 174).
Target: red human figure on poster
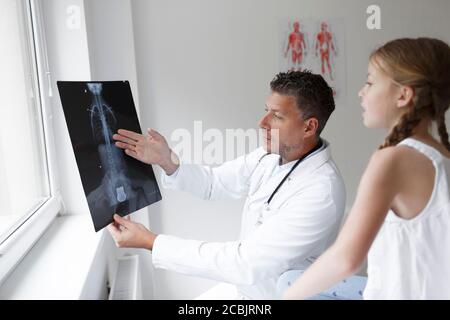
(297, 45)
(325, 42)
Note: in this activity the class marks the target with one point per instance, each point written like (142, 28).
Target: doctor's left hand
(128, 234)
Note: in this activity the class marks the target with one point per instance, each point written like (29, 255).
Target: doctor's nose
(263, 122)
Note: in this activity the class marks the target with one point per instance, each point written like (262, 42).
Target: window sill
(58, 266)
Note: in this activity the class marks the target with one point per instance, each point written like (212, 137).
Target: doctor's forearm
(330, 268)
(212, 260)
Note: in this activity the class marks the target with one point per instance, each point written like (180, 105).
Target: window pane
(23, 172)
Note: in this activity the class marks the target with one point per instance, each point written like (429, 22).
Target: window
(23, 172)
(25, 184)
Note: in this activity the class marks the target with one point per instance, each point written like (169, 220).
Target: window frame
(33, 226)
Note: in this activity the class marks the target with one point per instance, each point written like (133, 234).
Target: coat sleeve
(300, 229)
(228, 181)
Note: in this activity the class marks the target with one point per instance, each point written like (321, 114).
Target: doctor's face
(283, 126)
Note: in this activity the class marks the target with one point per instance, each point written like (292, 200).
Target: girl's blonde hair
(424, 65)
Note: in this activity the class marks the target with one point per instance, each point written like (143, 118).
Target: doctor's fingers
(133, 146)
(130, 134)
(134, 154)
(122, 145)
(155, 135)
(126, 222)
(114, 231)
(119, 240)
(124, 139)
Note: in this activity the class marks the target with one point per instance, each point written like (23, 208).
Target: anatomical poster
(316, 45)
(113, 182)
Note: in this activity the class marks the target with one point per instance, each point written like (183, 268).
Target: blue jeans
(349, 289)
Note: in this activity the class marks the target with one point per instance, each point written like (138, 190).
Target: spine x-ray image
(113, 182)
(103, 123)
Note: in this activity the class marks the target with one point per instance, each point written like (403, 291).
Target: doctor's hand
(150, 149)
(128, 234)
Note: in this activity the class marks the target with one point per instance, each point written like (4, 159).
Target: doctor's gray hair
(313, 95)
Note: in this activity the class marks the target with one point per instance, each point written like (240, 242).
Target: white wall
(212, 61)
(68, 56)
(4, 196)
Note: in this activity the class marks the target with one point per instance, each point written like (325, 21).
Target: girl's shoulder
(399, 161)
(400, 154)
(382, 165)
(389, 157)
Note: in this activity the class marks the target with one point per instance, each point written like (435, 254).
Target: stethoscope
(267, 203)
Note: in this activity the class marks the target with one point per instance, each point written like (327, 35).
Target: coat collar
(309, 164)
(314, 161)
(306, 167)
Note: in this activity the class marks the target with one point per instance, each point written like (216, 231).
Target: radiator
(126, 283)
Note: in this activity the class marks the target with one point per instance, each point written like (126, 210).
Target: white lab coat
(301, 222)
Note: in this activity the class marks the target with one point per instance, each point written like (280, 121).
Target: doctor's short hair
(313, 95)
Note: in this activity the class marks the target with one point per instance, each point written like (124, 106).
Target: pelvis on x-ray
(113, 182)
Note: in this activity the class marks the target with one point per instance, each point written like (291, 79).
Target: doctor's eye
(277, 116)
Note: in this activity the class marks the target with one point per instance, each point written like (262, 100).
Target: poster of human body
(316, 45)
(113, 182)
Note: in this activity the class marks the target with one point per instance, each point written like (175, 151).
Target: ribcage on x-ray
(103, 123)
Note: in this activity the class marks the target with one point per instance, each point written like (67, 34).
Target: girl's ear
(405, 97)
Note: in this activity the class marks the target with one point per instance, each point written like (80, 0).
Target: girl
(402, 208)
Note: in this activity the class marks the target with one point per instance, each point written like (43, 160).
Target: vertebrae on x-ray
(103, 121)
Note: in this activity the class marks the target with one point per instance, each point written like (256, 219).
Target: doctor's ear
(311, 126)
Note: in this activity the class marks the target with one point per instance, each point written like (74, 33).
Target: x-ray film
(113, 182)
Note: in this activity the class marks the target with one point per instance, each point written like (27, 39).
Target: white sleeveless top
(410, 259)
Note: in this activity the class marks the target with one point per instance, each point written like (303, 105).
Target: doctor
(295, 195)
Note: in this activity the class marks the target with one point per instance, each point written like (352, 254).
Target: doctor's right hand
(150, 149)
(128, 234)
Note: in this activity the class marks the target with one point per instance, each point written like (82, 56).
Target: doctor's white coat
(301, 222)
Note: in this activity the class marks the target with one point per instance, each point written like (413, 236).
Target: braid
(403, 129)
(421, 106)
(442, 129)
(440, 107)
